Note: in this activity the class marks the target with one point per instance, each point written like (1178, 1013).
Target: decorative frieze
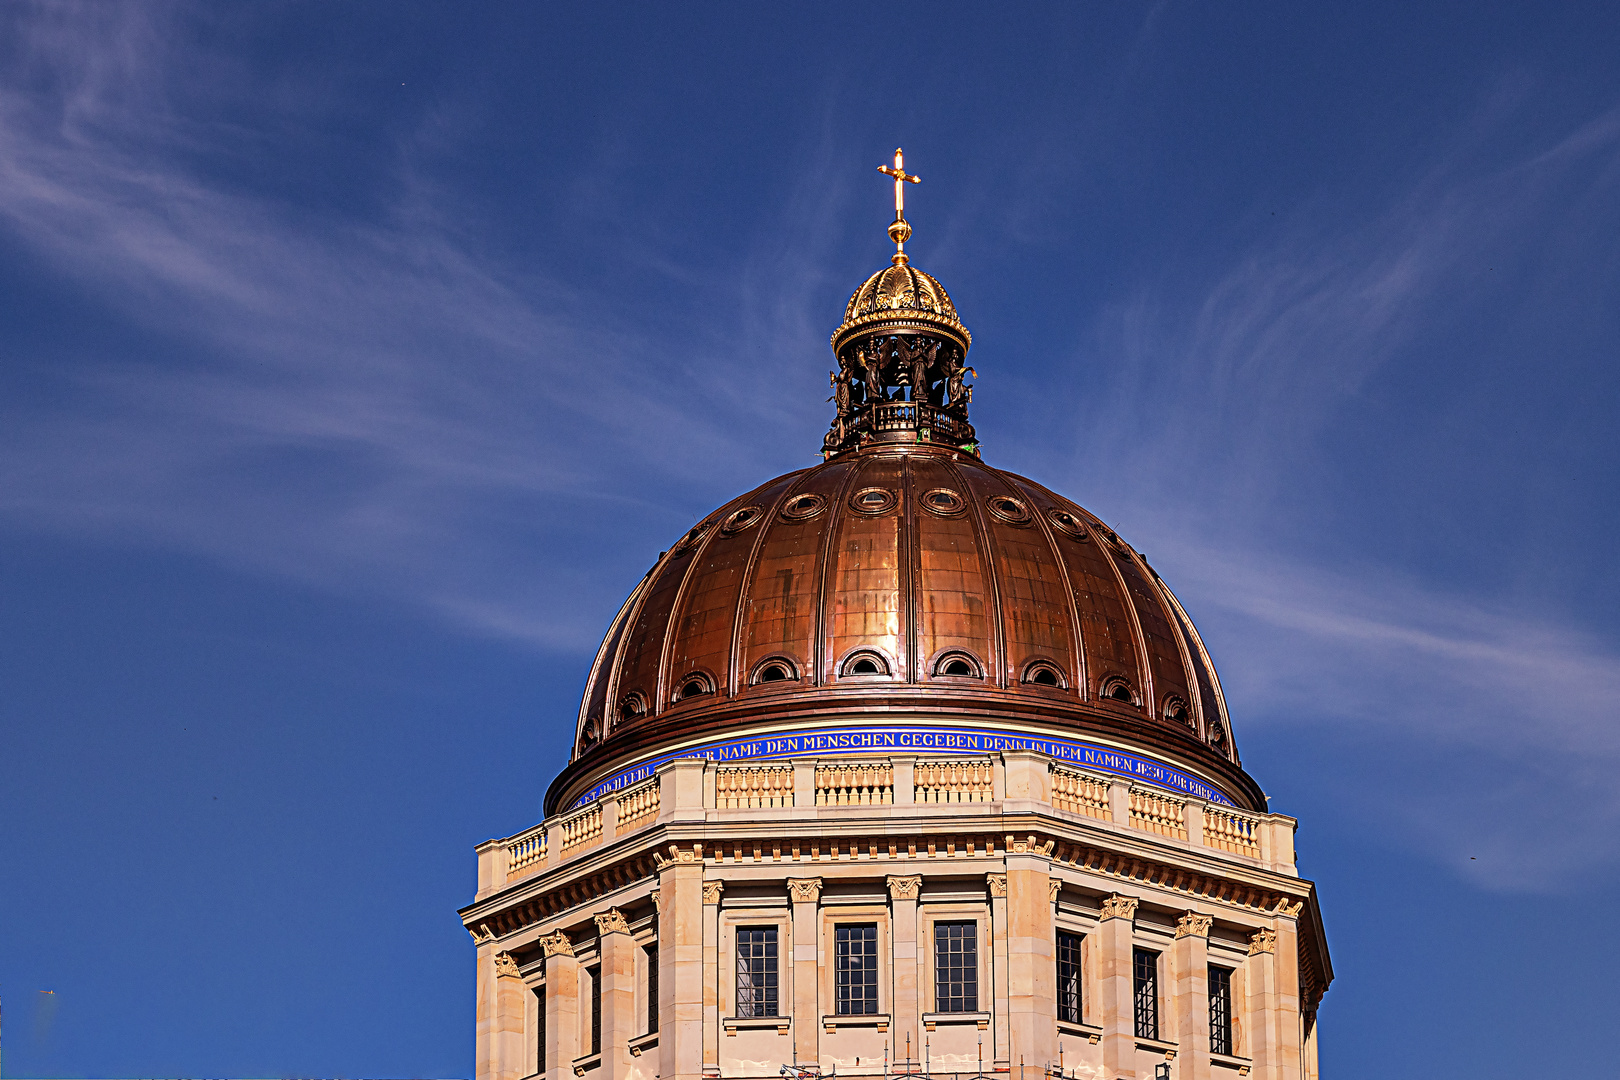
(506, 967)
(1115, 906)
(556, 944)
(1193, 924)
(612, 922)
(904, 887)
(804, 890)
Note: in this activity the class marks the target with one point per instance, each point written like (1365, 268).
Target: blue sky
(357, 359)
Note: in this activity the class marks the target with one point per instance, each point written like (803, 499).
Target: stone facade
(608, 950)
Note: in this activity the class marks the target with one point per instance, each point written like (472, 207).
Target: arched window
(865, 662)
(775, 669)
(1115, 688)
(959, 665)
(1043, 673)
(695, 685)
(632, 707)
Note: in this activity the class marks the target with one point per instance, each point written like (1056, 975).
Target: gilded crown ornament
(901, 353)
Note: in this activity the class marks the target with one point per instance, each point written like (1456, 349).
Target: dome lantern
(902, 354)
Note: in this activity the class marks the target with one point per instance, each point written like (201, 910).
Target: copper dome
(901, 299)
(903, 580)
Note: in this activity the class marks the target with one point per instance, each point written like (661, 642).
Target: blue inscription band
(922, 740)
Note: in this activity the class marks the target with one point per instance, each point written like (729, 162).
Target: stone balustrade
(1111, 801)
(954, 781)
(580, 830)
(526, 849)
(1158, 812)
(1081, 793)
(854, 783)
(753, 787)
(638, 806)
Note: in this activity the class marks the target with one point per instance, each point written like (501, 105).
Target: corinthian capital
(997, 883)
(1193, 924)
(804, 890)
(612, 922)
(712, 891)
(1115, 906)
(1263, 940)
(904, 887)
(506, 967)
(557, 944)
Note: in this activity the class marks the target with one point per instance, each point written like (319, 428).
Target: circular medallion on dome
(1008, 509)
(1066, 523)
(944, 502)
(873, 500)
(741, 519)
(803, 507)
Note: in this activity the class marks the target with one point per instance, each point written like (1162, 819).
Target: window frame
(839, 999)
(1146, 1017)
(770, 967)
(1222, 1035)
(942, 1005)
(1076, 960)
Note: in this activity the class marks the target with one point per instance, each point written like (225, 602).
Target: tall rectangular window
(652, 988)
(756, 971)
(1220, 1010)
(1147, 994)
(596, 1009)
(855, 970)
(540, 1002)
(1068, 977)
(956, 967)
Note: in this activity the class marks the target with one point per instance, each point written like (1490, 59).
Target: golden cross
(901, 179)
(900, 231)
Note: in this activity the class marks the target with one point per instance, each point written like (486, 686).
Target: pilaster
(1116, 937)
(562, 1005)
(1273, 984)
(1031, 966)
(999, 966)
(711, 976)
(508, 1050)
(903, 892)
(1189, 1004)
(680, 959)
(618, 967)
(805, 897)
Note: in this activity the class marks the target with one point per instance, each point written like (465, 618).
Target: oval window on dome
(1008, 509)
(873, 500)
(944, 502)
(803, 507)
(1067, 524)
(690, 540)
(741, 519)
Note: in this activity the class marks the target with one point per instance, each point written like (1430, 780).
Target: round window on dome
(1008, 509)
(1067, 524)
(944, 502)
(741, 519)
(873, 500)
(803, 507)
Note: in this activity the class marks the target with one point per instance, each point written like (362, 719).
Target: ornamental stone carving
(1263, 940)
(506, 967)
(557, 944)
(1193, 924)
(712, 891)
(998, 884)
(1054, 886)
(612, 922)
(481, 934)
(904, 888)
(804, 890)
(1115, 906)
(656, 909)
(678, 854)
